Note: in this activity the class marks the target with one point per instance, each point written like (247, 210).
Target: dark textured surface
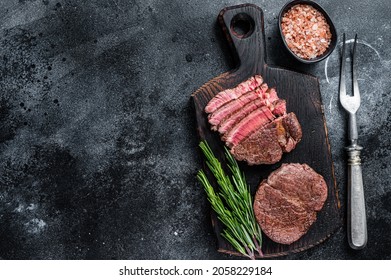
(98, 145)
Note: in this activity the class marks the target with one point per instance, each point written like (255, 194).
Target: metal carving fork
(357, 223)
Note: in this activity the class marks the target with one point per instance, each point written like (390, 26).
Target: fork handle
(357, 221)
(353, 132)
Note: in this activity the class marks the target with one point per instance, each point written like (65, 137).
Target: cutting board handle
(243, 27)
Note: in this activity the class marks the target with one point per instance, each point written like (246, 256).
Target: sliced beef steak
(250, 123)
(227, 95)
(228, 123)
(279, 107)
(267, 144)
(285, 205)
(245, 118)
(234, 105)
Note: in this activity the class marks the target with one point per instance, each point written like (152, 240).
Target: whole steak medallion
(286, 203)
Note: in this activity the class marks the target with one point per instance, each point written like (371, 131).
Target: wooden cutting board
(243, 27)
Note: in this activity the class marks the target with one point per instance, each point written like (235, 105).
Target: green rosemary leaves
(232, 203)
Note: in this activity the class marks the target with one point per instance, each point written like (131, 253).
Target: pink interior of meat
(227, 109)
(249, 124)
(227, 95)
(237, 113)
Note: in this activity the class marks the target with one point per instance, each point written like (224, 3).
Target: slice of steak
(227, 95)
(271, 94)
(293, 127)
(246, 126)
(279, 107)
(228, 123)
(285, 205)
(261, 96)
(267, 144)
(262, 147)
(234, 105)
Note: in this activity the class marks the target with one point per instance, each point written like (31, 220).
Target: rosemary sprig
(233, 203)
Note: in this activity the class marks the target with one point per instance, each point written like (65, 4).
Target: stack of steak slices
(253, 122)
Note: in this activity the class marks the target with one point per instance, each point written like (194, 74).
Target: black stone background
(98, 147)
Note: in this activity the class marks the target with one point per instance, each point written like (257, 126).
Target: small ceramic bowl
(334, 38)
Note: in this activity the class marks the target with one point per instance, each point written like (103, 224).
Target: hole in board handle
(242, 25)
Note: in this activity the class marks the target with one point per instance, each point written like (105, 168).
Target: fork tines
(351, 103)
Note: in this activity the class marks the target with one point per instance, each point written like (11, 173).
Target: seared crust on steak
(293, 126)
(285, 205)
(267, 144)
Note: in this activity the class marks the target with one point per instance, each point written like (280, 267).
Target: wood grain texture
(302, 93)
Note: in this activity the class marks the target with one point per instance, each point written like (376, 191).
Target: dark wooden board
(302, 93)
